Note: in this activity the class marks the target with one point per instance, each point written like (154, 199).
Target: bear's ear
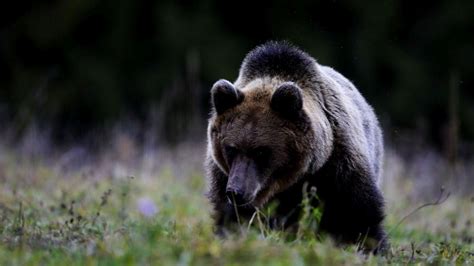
(225, 96)
(287, 99)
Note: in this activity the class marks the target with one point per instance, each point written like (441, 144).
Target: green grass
(51, 216)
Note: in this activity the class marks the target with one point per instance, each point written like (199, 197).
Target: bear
(288, 123)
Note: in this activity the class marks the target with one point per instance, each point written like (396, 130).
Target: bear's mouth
(241, 203)
(247, 205)
(264, 195)
(243, 194)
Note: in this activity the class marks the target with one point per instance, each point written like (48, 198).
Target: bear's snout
(239, 190)
(243, 183)
(235, 195)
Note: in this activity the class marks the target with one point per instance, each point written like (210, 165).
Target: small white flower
(147, 207)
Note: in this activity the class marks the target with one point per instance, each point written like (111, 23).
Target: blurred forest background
(74, 68)
(104, 107)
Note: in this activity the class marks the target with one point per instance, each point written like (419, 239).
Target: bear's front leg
(223, 217)
(229, 218)
(353, 213)
(222, 213)
(226, 216)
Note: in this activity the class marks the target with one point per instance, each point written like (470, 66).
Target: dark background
(79, 66)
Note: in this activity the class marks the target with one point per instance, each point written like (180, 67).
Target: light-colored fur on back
(287, 124)
(363, 129)
(338, 112)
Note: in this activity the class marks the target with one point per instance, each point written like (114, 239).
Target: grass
(115, 213)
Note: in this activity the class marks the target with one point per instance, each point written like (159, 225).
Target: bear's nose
(236, 196)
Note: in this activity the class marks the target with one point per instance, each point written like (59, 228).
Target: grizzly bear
(289, 123)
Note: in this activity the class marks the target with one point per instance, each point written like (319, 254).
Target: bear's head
(261, 137)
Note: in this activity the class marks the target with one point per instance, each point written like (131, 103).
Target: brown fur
(252, 124)
(316, 129)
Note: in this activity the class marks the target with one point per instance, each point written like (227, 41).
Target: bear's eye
(262, 153)
(230, 152)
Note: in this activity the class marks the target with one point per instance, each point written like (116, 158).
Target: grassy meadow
(148, 207)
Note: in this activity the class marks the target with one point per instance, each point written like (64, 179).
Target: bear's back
(289, 63)
(369, 123)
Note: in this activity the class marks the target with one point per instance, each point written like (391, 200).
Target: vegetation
(72, 72)
(112, 211)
